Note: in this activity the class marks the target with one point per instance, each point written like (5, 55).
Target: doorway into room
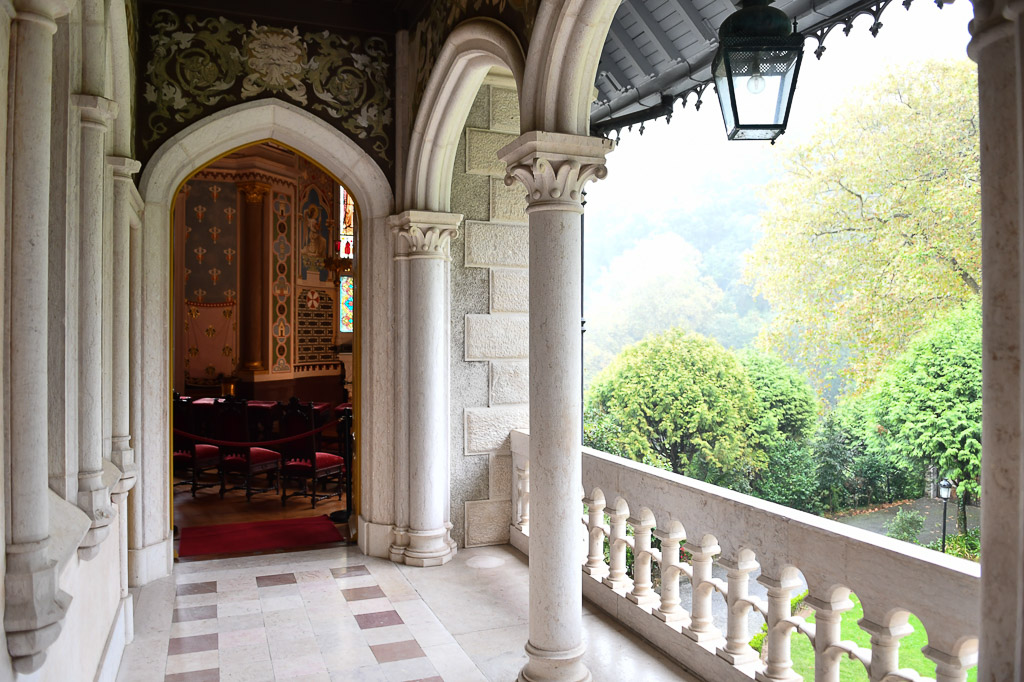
(264, 355)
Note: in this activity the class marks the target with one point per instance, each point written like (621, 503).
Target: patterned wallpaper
(211, 241)
(195, 65)
(433, 28)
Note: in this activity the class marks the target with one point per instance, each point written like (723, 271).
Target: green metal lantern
(755, 71)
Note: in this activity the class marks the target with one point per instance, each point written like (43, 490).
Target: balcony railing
(628, 504)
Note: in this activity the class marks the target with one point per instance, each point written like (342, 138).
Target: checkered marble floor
(329, 615)
(336, 614)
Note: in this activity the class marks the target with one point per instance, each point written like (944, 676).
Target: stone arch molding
(473, 48)
(566, 46)
(173, 162)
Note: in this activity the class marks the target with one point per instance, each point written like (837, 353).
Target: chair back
(345, 432)
(296, 419)
(183, 421)
(232, 424)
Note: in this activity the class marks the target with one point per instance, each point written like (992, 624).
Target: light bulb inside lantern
(755, 84)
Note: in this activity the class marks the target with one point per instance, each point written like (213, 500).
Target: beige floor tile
(183, 663)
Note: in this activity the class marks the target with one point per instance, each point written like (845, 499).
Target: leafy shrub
(906, 525)
(965, 546)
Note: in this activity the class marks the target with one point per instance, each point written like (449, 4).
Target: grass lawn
(853, 671)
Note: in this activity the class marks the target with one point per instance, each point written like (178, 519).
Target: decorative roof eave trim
(604, 121)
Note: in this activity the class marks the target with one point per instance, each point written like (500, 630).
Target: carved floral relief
(197, 65)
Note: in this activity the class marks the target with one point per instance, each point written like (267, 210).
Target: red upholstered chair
(232, 423)
(302, 461)
(191, 459)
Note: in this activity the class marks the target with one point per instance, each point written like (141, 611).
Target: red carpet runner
(234, 538)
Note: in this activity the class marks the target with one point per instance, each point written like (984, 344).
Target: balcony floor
(336, 614)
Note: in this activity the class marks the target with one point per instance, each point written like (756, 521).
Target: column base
(374, 538)
(399, 545)
(429, 548)
(146, 564)
(555, 666)
(36, 605)
(740, 659)
(94, 500)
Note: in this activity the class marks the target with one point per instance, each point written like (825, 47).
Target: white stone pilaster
(34, 603)
(997, 45)
(554, 168)
(93, 495)
(428, 236)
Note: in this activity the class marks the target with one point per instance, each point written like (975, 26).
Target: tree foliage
(874, 231)
(683, 403)
(788, 404)
(926, 405)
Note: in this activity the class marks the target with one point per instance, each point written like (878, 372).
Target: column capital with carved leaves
(426, 234)
(554, 167)
(253, 191)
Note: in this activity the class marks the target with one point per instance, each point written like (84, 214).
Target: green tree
(683, 403)
(874, 230)
(788, 403)
(926, 405)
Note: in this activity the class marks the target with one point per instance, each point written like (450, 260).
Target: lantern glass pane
(724, 89)
(763, 80)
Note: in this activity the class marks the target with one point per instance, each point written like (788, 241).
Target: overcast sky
(675, 166)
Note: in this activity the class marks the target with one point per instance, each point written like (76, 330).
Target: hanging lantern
(755, 71)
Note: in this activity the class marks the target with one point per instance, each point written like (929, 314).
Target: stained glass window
(346, 249)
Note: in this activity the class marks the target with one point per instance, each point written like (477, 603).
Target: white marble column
(126, 205)
(93, 495)
(554, 168)
(34, 603)
(428, 236)
(400, 536)
(997, 45)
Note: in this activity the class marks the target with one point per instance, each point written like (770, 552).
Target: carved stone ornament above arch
(195, 65)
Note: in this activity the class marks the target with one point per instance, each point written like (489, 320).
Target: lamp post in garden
(945, 488)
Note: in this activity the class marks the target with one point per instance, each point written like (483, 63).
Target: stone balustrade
(682, 527)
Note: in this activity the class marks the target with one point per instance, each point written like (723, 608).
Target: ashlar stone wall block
(482, 152)
(504, 110)
(510, 291)
(497, 245)
(497, 337)
(487, 428)
(500, 477)
(510, 382)
(508, 204)
(487, 522)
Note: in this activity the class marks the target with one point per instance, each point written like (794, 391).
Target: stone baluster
(34, 603)
(737, 648)
(428, 236)
(643, 555)
(702, 627)
(828, 616)
(252, 268)
(670, 610)
(885, 646)
(523, 498)
(950, 668)
(596, 533)
(617, 542)
(779, 664)
(554, 168)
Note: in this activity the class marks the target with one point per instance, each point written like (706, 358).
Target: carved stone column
(997, 45)
(252, 229)
(400, 535)
(93, 495)
(554, 168)
(34, 603)
(125, 205)
(429, 238)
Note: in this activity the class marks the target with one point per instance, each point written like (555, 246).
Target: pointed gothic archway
(176, 159)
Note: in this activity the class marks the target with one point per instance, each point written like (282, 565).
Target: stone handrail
(892, 579)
